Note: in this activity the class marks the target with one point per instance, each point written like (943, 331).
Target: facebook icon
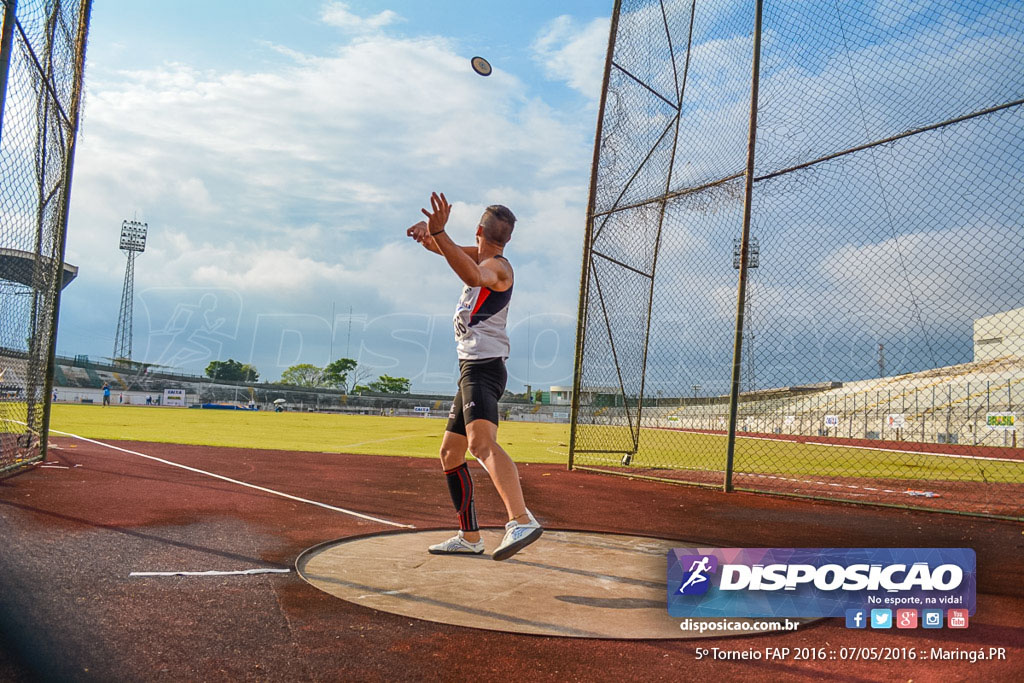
(856, 618)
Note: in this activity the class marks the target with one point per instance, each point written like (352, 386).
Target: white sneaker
(517, 537)
(457, 545)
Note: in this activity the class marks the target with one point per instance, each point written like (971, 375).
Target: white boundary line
(214, 572)
(903, 452)
(240, 483)
(899, 451)
(779, 478)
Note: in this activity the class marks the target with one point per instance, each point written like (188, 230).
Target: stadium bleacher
(942, 405)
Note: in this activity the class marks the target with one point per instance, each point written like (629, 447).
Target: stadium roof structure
(17, 265)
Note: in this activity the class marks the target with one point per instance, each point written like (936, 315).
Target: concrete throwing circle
(569, 583)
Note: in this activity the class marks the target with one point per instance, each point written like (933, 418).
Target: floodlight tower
(133, 243)
(753, 261)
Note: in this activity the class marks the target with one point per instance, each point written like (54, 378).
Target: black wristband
(435, 234)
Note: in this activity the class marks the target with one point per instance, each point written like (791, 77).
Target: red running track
(72, 532)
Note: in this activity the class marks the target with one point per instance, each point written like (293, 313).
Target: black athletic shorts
(481, 384)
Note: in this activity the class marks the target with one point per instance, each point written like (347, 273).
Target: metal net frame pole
(741, 291)
(6, 41)
(680, 92)
(81, 37)
(588, 237)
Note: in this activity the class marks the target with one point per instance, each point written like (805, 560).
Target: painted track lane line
(240, 483)
(214, 572)
(830, 444)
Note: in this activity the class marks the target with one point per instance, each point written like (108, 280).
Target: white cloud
(338, 14)
(573, 53)
(892, 13)
(294, 185)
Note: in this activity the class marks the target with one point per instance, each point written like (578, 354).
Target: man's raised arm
(465, 266)
(421, 233)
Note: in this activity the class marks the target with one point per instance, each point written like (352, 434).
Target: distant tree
(355, 380)
(250, 373)
(232, 371)
(336, 372)
(386, 384)
(303, 375)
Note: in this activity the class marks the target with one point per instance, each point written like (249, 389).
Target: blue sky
(278, 154)
(904, 245)
(278, 151)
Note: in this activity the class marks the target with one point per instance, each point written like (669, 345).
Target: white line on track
(777, 478)
(845, 445)
(390, 438)
(481, 463)
(213, 572)
(240, 483)
(908, 452)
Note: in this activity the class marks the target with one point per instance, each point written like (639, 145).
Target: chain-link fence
(41, 61)
(804, 258)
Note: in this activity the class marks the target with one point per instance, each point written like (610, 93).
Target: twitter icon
(881, 618)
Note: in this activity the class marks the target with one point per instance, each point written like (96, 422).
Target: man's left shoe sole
(513, 548)
(444, 552)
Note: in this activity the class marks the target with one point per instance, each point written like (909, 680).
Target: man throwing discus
(483, 347)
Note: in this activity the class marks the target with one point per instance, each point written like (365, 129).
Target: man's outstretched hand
(419, 232)
(437, 219)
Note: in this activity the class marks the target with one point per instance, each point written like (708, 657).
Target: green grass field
(525, 442)
(689, 450)
(411, 436)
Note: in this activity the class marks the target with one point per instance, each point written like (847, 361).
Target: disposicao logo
(817, 582)
(696, 580)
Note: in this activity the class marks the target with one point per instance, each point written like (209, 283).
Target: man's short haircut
(498, 223)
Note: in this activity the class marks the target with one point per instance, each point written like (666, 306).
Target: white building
(999, 335)
(561, 396)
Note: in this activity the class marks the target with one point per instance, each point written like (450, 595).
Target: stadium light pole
(133, 243)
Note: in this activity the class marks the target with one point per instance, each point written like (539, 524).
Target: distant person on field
(106, 394)
(483, 346)
(120, 398)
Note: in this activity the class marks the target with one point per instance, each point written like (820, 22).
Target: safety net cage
(803, 268)
(41, 61)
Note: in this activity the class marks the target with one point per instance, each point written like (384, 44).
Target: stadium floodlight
(133, 243)
(753, 253)
(133, 236)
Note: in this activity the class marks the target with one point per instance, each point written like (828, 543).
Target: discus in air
(481, 66)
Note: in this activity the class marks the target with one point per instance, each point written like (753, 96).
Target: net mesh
(882, 327)
(40, 75)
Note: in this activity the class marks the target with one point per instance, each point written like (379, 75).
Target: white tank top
(480, 321)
